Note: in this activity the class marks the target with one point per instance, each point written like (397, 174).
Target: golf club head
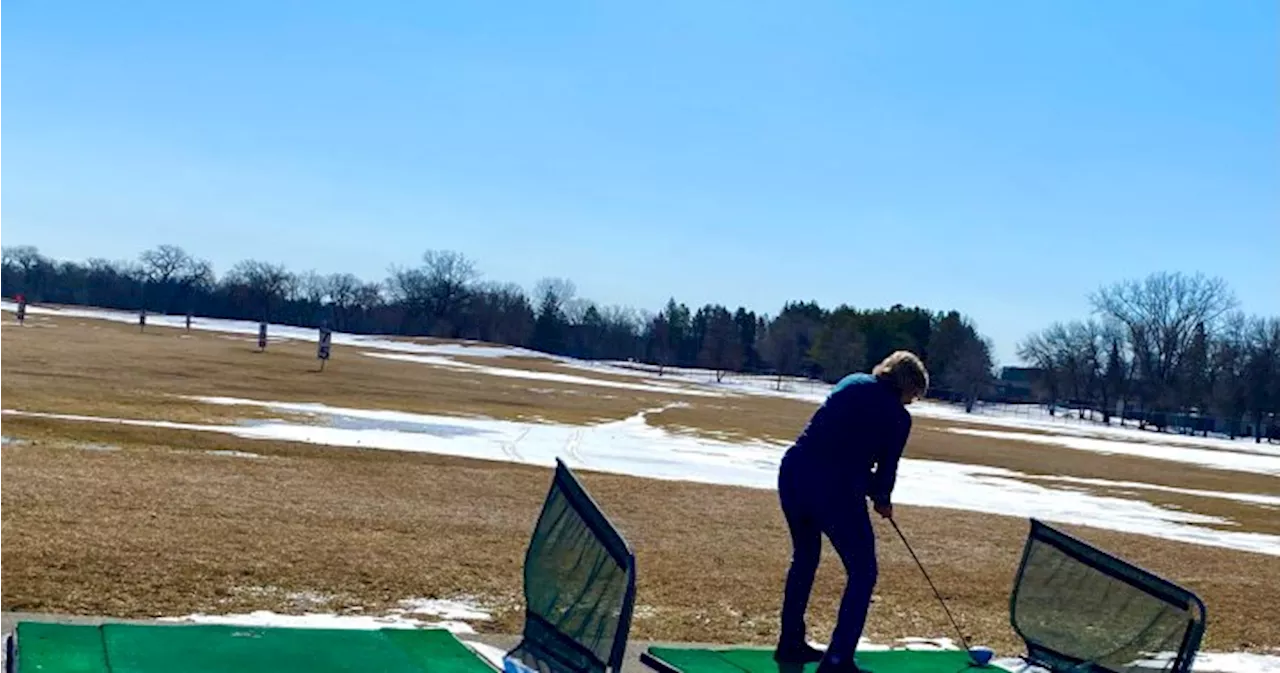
(981, 655)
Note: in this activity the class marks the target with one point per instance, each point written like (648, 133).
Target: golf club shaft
(964, 641)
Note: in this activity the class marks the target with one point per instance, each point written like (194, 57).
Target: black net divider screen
(579, 585)
(1081, 609)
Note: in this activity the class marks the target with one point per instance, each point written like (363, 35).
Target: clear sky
(1001, 158)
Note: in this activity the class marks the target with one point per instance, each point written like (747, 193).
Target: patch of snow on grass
(452, 615)
(1016, 665)
(234, 454)
(1220, 662)
(1265, 500)
(464, 609)
(530, 374)
(1222, 460)
(313, 620)
(1205, 662)
(1034, 417)
(633, 447)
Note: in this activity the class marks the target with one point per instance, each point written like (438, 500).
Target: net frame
(1116, 569)
(543, 645)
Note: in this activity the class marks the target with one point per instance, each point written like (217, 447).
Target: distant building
(1017, 384)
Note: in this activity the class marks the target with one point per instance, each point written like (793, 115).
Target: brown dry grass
(161, 527)
(147, 530)
(106, 369)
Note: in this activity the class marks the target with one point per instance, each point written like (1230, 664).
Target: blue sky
(1001, 158)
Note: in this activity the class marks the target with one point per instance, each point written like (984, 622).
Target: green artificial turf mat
(129, 648)
(60, 648)
(437, 651)
(755, 660)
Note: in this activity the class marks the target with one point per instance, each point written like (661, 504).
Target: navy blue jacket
(857, 436)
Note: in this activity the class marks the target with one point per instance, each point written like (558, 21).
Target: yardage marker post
(322, 348)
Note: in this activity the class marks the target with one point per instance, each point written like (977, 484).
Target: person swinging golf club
(847, 453)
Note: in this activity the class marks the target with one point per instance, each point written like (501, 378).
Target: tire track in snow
(510, 449)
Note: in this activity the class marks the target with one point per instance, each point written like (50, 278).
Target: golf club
(980, 656)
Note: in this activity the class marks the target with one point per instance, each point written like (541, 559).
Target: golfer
(848, 453)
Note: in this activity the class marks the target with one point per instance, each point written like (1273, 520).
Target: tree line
(445, 296)
(1169, 350)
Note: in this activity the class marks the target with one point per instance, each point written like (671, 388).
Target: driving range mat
(140, 648)
(756, 660)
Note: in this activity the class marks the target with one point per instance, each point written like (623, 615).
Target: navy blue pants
(815, 505)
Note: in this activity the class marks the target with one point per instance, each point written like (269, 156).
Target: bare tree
(1161, 313)
(25, 267)
(577, 309)
(341, 289)
(170, 275)
(367, 297)
(433, 293)
(447, 276)
(22, 257)
(1073, 358)
(407, 285)
(266, 284)
(558, 290)
(311, 287)
(164, 263)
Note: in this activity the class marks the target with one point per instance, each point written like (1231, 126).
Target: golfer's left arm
(886, 472)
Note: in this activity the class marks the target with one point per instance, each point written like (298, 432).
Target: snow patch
(510, 372)
(633, 447)
(314, 620)
(1035, 417)
(1264, 500)
(1221, 662)
(1216, 459)
(96, 446)
(234, 454)
(452, 615)
(464, 609)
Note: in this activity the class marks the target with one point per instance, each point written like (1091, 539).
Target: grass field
(141, 521)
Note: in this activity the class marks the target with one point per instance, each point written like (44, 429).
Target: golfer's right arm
(886, 472)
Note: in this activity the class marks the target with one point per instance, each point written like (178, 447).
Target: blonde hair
(904, 371)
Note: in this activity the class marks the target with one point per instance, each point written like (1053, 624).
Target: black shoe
(846, 666)
(797, 653)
